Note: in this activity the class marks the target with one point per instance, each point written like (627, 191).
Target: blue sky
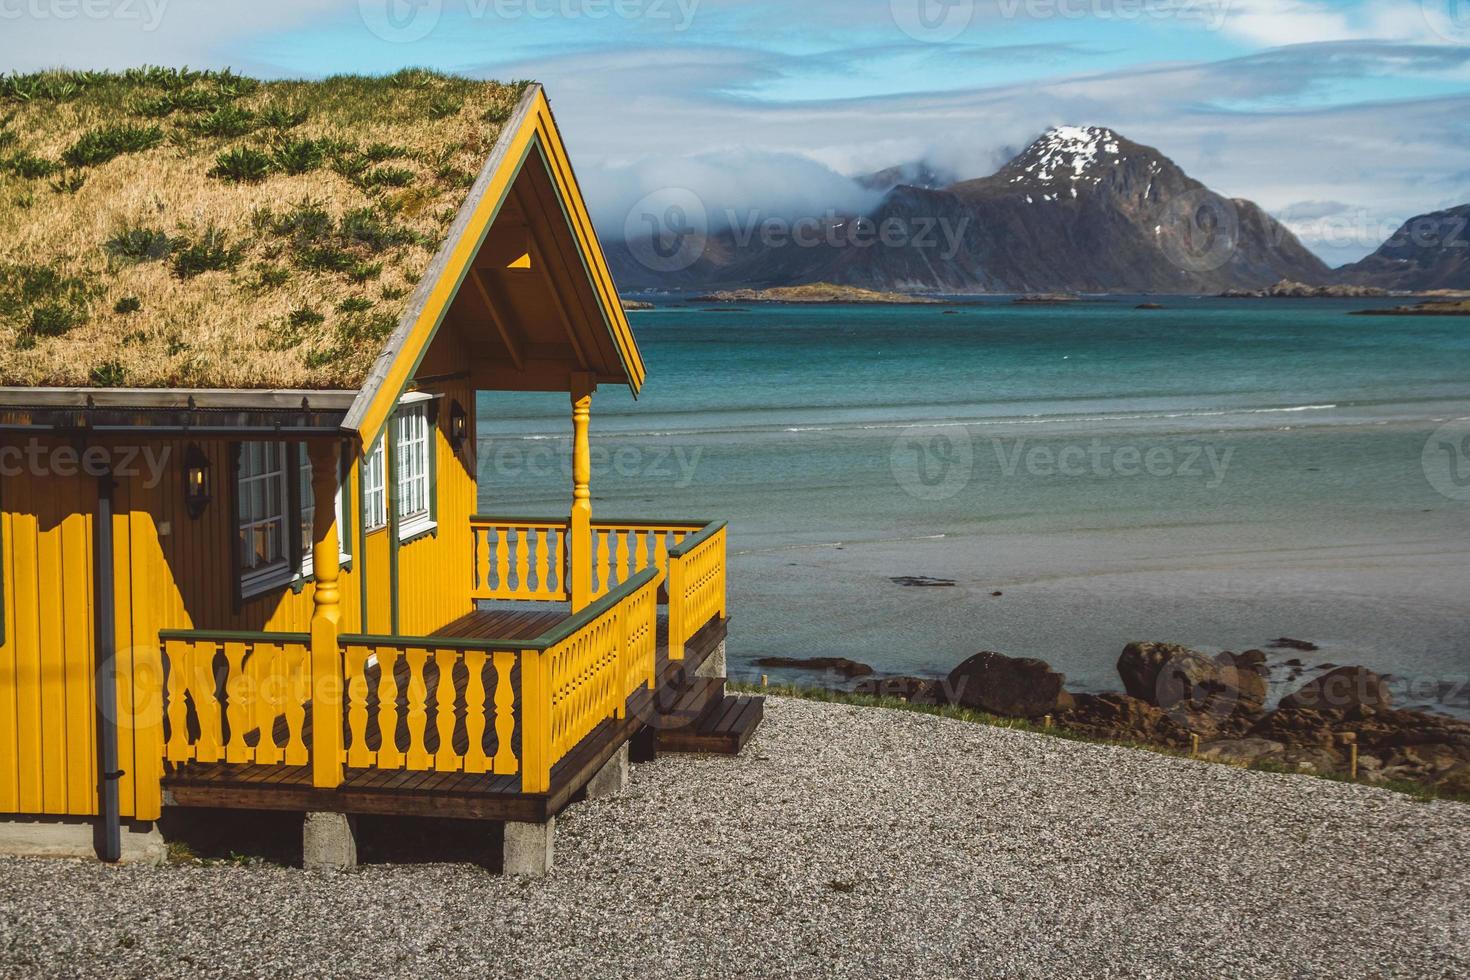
(1344, 118)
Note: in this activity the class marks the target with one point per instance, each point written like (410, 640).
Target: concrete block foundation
(328, 842)
(529, 848)
(78, 837)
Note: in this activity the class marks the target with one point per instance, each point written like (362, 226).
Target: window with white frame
(412, 468)
(263, 496)
(307, 497)
(374, 490)
(413, 472)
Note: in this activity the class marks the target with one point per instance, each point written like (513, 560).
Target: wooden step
(722, 728)
(680, 704)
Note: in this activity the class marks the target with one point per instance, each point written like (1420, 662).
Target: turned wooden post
(326, 617)
(579, 543)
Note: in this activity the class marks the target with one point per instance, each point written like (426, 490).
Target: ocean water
(1218, 473)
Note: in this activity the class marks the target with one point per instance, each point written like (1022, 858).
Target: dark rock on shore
(1340, 689)
(922, 582)
(1190, 683)
(1018, 687)
(840, 665)
(1287, 643)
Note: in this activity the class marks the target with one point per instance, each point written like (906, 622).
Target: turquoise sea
(1217, 473)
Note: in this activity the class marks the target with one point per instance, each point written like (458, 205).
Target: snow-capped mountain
(1081, 208)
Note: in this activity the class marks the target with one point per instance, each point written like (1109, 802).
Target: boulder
(1340, 690)
(1170, 675)
(1017, 687)
(1242, 751)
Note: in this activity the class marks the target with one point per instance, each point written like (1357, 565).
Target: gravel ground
(844, 842)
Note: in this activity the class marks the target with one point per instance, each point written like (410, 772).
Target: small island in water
(816, 292)
(1441, 307)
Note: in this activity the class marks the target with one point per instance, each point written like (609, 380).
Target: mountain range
(1082, 209)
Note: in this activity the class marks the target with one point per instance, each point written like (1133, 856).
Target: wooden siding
(172, 572)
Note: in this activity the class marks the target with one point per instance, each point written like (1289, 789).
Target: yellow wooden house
(241, 546)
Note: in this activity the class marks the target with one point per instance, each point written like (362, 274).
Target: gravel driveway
(844, 842)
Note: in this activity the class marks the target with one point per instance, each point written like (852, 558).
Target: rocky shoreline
(1173, 695)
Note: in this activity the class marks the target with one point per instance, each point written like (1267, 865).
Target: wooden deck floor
(463, 795)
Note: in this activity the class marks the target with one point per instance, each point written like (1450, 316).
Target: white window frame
(277, 572)
(413, 472)
(413, 411)
(375, 490)
(308, 506)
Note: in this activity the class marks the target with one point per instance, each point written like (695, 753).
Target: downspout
(106, 644)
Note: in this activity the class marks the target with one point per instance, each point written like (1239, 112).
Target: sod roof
(182, 229)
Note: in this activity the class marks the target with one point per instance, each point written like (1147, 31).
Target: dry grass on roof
(171, 228)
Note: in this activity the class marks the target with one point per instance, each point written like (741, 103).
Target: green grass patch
(300, 156)
(106, 143)
(40, 301)
(138, 244)
(283, 117)
(228, 121)
(387, 177)
(31, 167)
(355, 304)
(109, 374)
(126, 305)
(211, 252)
(242, 165)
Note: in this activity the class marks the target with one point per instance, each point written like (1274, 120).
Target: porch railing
(526, 559)
(446, 704)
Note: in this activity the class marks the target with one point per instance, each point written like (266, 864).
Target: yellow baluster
(359, 756)
(417, 757)
(270, 684)
(482, 561)
(523, 563)
(389, 757)
(209, 746)
(502, 562)
(622, 560)
(239, 689)
(297, 689)
(179, 654)
(543, 587)
(446, 759)
(505, 721)
(475, 760)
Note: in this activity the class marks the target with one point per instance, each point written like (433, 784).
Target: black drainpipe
(110, 846)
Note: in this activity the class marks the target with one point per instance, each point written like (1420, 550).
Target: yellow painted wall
(181, 579)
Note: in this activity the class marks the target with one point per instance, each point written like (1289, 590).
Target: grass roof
(175, 228)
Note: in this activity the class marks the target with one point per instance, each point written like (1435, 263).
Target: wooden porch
(536, 698)
(458, 794)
